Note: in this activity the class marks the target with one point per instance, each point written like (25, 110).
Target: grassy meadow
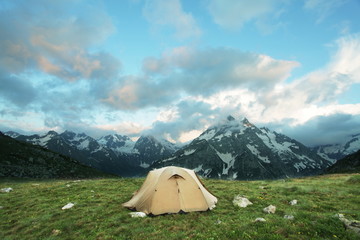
(33, 210)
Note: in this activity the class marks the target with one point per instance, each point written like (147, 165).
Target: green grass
(33, 210)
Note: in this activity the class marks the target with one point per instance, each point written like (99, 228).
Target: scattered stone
(352, 225)
(9, 189)
(218, 221)
(289, 217)
(241, 201)
(260, 220)
(68, 185)
(138, 214)
(293, 202)
(55, 232)
(67, 206)
(270, 209)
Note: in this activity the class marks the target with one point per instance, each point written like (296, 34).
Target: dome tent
(171, 190)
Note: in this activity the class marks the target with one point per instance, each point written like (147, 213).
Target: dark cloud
(17, 90)
(46, 65)
(54, 38)
(322, 130)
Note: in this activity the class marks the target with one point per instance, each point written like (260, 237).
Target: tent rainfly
(171, 190)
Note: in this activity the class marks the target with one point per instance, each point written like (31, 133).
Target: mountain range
(115, 154)
(348, 164)
(239, 150)
(334, 152)
(25, 160)
(231, 149)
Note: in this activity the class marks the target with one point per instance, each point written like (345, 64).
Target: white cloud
(287, 106)
(197, 72)
(323, 8)
(317, 93)
(233, 14)
(127, 128)
(169, 13)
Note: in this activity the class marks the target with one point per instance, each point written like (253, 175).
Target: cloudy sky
(172, 68)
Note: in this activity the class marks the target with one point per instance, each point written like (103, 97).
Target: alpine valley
(231, 149)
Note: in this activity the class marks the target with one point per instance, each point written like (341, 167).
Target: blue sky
(172, 68)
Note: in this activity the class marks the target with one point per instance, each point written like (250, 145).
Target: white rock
(67, 206)
(260, 220)
(138, 214)
(270, 209)
(353, 225)
(293, 202)
(241, 201)
(56, 232)
(9, 189)
(289, 217)
(68, 185)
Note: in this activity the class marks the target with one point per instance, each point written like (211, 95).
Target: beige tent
(171, 190)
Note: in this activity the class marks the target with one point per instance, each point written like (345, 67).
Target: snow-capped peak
(118, 143)
(225, 128)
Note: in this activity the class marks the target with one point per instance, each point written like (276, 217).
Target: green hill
(33, 210)
(348, 164)
(20, 159)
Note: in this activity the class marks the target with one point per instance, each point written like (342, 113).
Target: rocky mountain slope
(114, 154)
(83, 148)
(239, 150)
(149, 149)
(338, 151)
(20, 159)
(348, 164)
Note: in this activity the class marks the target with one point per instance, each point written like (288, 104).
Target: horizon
(173, 68)
(134, 139)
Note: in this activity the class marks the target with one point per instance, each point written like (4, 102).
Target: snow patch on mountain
(207, 135)
(299, 166)
(45, 139)
(269, 139)
(189, 152)
(228, 159)
(84, 144)
(168, 159)
(144, 165)
(256, 152)
(198, 168)
(221, 136)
